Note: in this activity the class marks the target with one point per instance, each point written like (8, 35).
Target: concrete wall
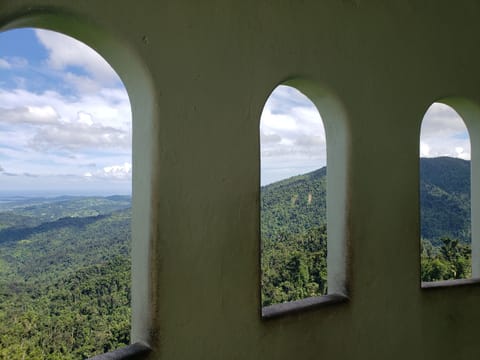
(198, 73)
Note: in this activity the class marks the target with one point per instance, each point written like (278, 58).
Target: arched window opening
(293, 199)
(445, 209)
(65, 200)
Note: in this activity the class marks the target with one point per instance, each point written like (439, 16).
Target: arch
(464, 113)
(337, 156)
(135, 76)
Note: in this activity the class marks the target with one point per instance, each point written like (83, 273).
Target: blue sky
(65, 122)
(65, 117)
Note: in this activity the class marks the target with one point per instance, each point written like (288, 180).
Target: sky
(444, 133)
(65, 122)
(292, 135)
(65, 118)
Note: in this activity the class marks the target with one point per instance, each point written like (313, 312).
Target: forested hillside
(64, 278)
(445, 219)
(445, 199)
(294, 204)
(299, 202)
(294, 240)
(293, 229)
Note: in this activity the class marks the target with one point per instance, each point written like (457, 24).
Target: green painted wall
(198, 73)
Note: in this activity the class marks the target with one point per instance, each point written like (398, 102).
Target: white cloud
(107, 107)
(296, 121)
(118, 171)
(65, 52)
(290, 123)
(462, 154)
(59, 137)
(1, 169)
(85, 118)
(29, 115)
(112, 172)
(102, 120)
(441, 120)
(12, 62)
(292, 135)
(82, 84)
(121, 172)
(269, 138)
(424, 149)
(444, 133)
(310, 141)
(278, 122)
(4, 64)
(78, 136)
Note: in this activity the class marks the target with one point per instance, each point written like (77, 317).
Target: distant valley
(64, 276)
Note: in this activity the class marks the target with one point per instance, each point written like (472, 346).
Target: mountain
(445, 199)
(294, 204)
(294, 238)
(297, 203)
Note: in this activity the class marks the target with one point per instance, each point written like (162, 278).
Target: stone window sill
(137, 351)
(292, 307)
(448, 283)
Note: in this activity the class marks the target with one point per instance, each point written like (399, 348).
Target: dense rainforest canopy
(64, 277)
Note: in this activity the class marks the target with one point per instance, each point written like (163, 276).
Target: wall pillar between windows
(470, 112)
